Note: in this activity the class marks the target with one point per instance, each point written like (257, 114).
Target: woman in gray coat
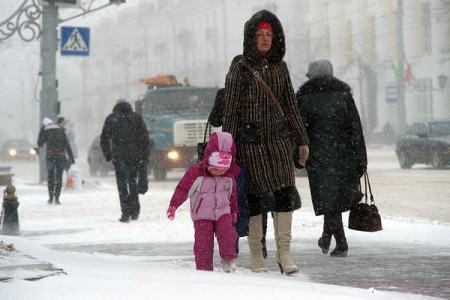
(263, 141)
(338, 155)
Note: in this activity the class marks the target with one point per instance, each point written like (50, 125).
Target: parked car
(96, 160)
(17, 149)
(425, 143)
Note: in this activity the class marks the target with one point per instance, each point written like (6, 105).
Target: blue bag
(244, 214)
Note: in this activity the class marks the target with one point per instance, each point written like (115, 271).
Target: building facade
(395, 54)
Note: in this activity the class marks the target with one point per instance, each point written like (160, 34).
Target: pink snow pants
(204, 241)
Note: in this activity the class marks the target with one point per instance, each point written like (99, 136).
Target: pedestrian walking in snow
(338, 155)
(73, 177)
(242, 225)
(58, 147)
(211, 186)
(69, 128)
(265, 136)
(126, 142)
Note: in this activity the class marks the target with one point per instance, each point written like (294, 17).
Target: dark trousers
(55, 168)
(56, 164)
(126, 177)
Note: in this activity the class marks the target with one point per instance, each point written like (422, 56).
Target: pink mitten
(234, 218)
(171, 213)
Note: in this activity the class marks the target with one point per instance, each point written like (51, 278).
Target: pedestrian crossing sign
(75, 41)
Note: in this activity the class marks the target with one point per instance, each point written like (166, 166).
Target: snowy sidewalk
(17, 265)
(417, 264)
(97, 257)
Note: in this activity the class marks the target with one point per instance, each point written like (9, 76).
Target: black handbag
(364, 216)
(142, 178)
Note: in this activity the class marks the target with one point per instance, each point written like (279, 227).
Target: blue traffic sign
(75, 41)
(391, 94)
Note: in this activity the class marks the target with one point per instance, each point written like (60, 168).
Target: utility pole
(49, 104)
(49, 95)
(401, 113)
(24, 20)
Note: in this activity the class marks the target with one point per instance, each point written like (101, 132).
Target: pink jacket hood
(222, 141)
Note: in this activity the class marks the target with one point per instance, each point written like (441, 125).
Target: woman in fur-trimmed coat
(337, 150)
(253, 119)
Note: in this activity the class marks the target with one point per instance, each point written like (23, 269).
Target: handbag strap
(269, 90)
(367, 184)
(206, 129)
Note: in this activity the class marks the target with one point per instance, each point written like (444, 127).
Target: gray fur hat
(319, 68)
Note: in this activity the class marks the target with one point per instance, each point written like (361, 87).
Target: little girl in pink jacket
(211, 186)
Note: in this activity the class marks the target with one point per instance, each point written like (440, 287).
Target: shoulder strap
(258, 76)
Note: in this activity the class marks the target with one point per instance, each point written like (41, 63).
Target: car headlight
(32, 151)
(12, 152)
(173, 155)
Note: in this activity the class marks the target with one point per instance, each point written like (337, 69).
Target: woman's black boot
(324, 242)
(337, 228)
(341, 249)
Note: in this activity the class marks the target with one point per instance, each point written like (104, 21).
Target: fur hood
(323, 85)
(278, 49)
(122, 108)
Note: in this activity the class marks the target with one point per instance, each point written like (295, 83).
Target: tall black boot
(337, 229)
(325, 240)
(50, 186)
(58, 186)
(263, 240)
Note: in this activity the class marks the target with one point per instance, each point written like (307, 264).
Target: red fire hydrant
(10, 217)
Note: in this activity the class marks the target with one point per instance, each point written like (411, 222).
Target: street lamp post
(24, 20)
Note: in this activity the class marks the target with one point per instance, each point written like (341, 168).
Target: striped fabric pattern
(270, 165)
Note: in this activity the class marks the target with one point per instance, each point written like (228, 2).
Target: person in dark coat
(69, 129)
(242, 225)
(126, 142)
(263, 143)
(58, 146)
(216, 115)
(338, 155)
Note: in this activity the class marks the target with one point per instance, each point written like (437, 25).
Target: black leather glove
(296, 158)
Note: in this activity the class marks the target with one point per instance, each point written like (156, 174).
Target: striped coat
(269, 162)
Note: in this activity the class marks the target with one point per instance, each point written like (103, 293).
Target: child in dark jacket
(211, 186)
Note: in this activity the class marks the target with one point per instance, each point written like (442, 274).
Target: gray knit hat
(319, 68)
